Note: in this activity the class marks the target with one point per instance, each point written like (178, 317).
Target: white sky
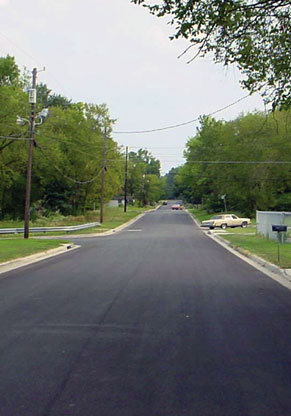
(114, 52)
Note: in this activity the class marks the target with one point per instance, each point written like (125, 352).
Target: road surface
(158, 320)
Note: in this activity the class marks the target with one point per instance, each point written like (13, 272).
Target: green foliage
(12, 249)
(144, 181)
(13, 153)
(45, 98)
(68, 164)
(229, 158)
(9, 71)
(254, 35)
(262, 247)
(68, 156)
(171, 191)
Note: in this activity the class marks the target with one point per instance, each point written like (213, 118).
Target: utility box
(32, 96)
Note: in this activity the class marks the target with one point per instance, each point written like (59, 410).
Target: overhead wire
(33, 59)
(14, 138)
(236, 162)
(68, 177)
(182, 124)
(91, 147)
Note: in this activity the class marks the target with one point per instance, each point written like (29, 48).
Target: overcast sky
(114, 52)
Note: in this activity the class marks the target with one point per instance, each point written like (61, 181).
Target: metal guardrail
(67, 229)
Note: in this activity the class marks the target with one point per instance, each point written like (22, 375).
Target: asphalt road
(158, 320)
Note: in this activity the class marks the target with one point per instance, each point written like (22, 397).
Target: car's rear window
(217, 217)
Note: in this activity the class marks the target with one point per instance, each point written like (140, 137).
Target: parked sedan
(226, 220)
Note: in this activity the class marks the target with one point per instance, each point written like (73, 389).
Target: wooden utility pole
(103, 175)
(125, 179)
(32, 100)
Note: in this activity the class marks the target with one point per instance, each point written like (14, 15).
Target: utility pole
(125, 179)
(103, 175)
(32, 100)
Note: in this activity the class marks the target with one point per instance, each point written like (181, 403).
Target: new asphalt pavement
(157, 320)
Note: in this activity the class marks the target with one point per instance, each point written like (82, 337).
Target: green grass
(246, 241)
(200, 214)
(113, 217)
(14, 248)
(262, 247)
(251, 229)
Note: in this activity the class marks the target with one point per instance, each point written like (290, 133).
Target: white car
(226, 220)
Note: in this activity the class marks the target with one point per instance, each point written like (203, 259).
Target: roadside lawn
(247, 241)
(11, 249)
(113, 217)
(261, 247)
(16, 247)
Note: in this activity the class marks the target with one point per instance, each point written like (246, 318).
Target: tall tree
(247, 159)
(254, 34)
(13, 152)
(144, 181)
(9, 71)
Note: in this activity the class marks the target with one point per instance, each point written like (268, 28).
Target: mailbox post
(280, 229)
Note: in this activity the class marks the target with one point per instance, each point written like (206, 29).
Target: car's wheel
(244, 225)
(211, 228)
(223, 226)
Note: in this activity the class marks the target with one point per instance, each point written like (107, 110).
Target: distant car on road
(226, 220)
(165, 203)
(177, 207)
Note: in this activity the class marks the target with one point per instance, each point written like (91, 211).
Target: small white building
(119, 201)
(265, 220)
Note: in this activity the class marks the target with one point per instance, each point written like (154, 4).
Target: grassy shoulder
(247, 241)
(11, 249)
(16, 247)
(261, 247)
(113, 217)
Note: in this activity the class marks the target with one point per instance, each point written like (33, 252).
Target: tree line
(242, 165)
(72, 146)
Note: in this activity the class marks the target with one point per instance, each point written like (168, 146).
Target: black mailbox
(279, 228)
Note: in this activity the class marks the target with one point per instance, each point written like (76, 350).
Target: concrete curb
(24, 261)
(114, 230)
(282, 276)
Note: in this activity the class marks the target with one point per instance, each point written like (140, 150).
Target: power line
(236, 180)
(21, 49)
(68, 177)
(182, 124)
(31, 57)
(237, 162)
(14, 138)
(71, 140)
(160, 147)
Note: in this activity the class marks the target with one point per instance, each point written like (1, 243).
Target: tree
(247, 159)
(144, 181)
(45, 98)
(9, 71)
(13, 153)
(253, 34)
(69, 159)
